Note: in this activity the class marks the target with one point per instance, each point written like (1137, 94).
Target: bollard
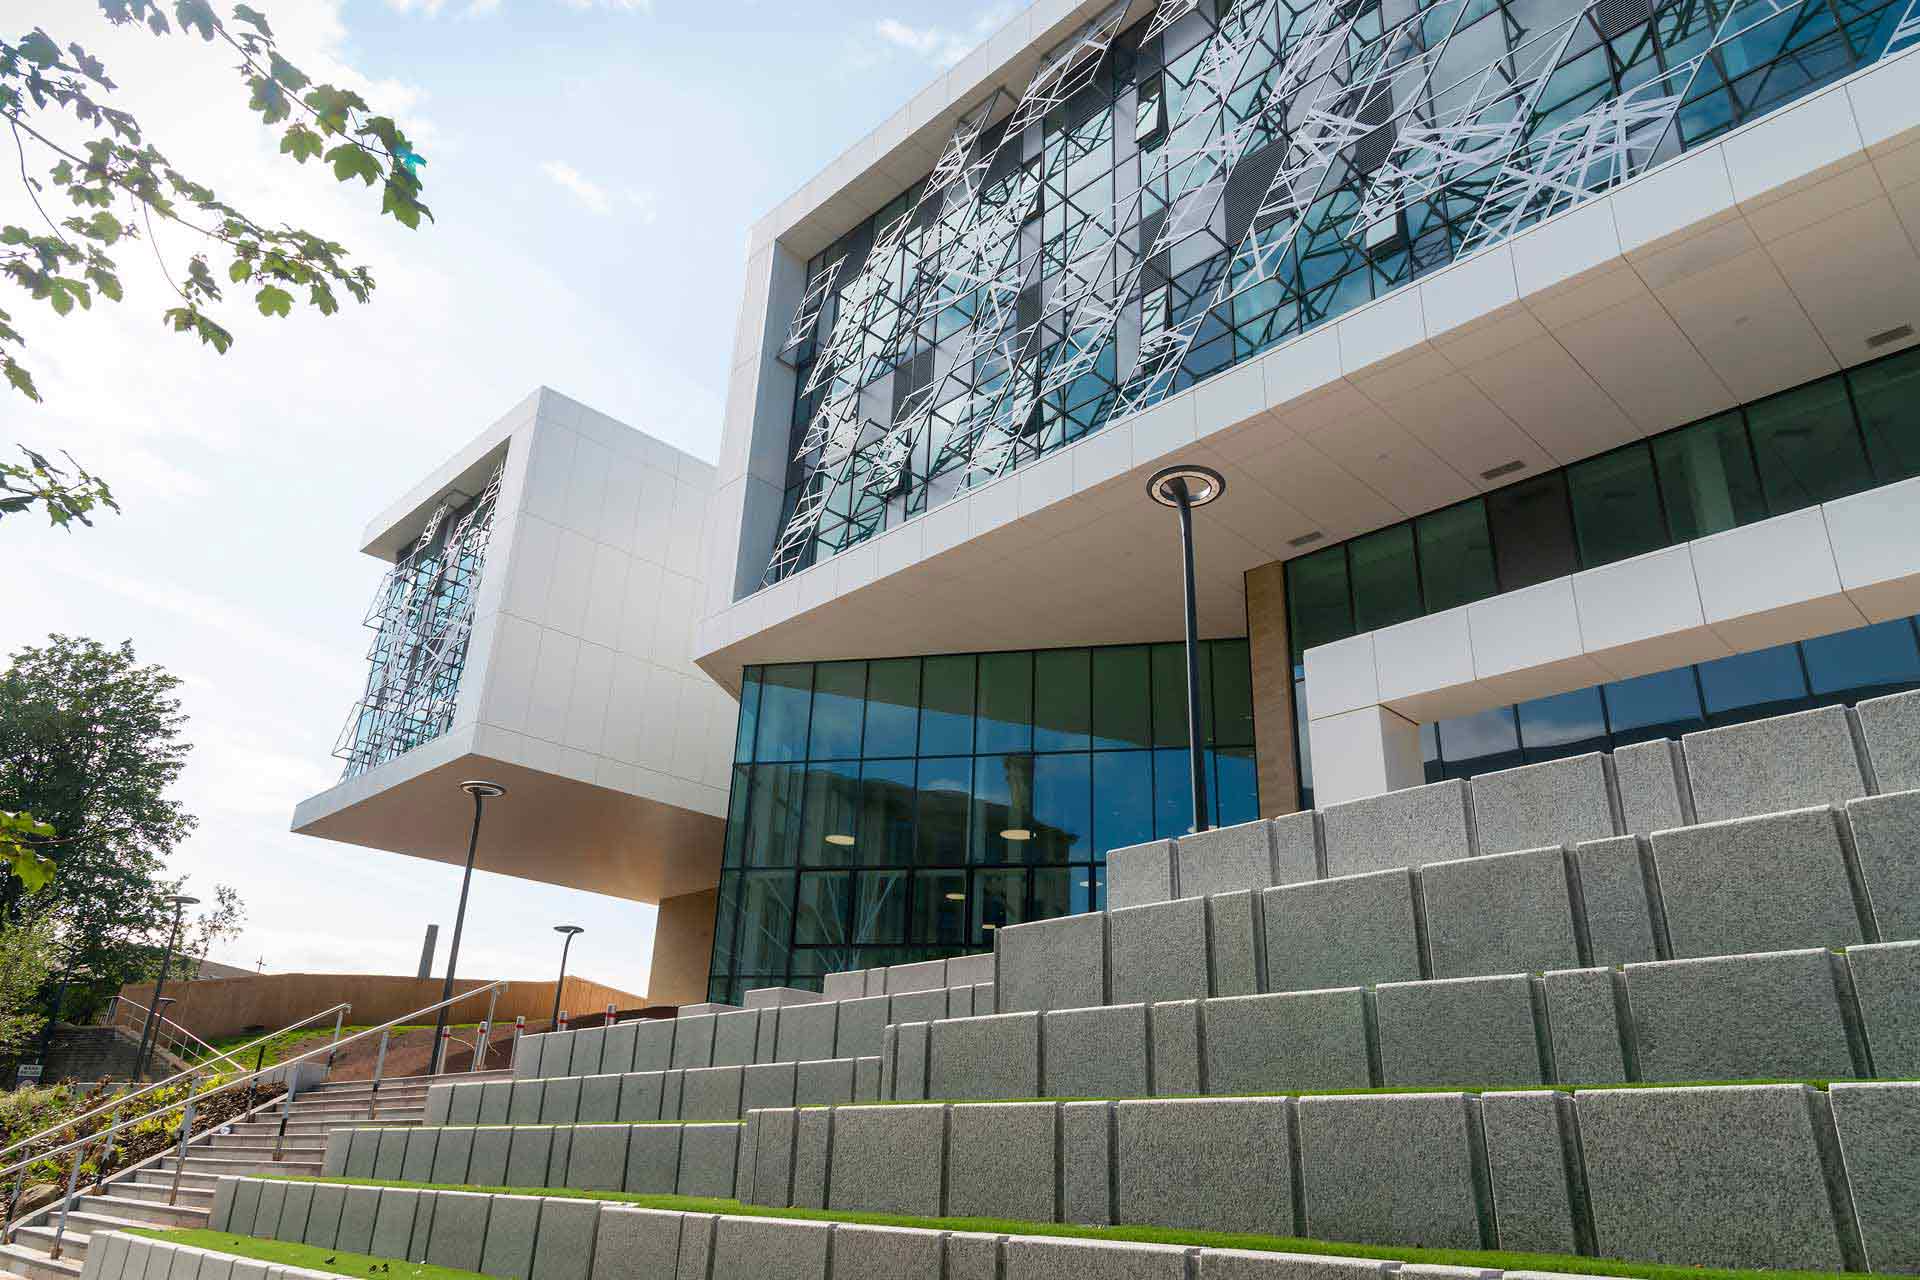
(480, 1045)
(446, 1038)
(519, 1030)
(562, 1024)
(612, 1013)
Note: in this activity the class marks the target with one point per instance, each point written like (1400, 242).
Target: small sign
(28, 1073)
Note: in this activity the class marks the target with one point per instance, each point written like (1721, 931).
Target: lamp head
(568, 929)
(476, 787)
(1201, 484)
(179, 900)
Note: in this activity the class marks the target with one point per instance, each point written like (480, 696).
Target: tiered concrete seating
(1398, 1021)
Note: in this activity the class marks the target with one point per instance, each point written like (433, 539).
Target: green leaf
(270, 100)
(18, 378)
(105, 227)
(253, 18)
(287, 74)
(240, 271)
(349, 160)
(301, 143)
(196, 15)
(38, 48)
(273, 301)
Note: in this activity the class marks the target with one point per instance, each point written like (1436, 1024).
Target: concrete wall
(214, 1007)
(683, 948)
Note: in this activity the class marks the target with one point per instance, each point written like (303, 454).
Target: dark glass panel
(737, 800)
(1566, 724)
(1089, 889)
(1431, 765)
(1006, 703)
(1236, 795)
(1665, 704)
(1616, 506)
(1707, 478)
(774, 826)
(893, 707)
(999, 899)
(1053, 891)
(1479, 743)
(1808, 446)
(749, 714)
(1122, 800)
(939, 907)
(785, 695)
(766, 922)
(1318, 606)
(1002, 803)
(1062, 821)
(1532, 532)
(1232, 693)
(880, 906)
(1386, 585)
(726, 923)
(886, 814)
(1172, 795)
(839, 695)
(1170, 695)
(1887, 396)
(1062, 689)
(1301, 745)
(830, 823)
(945, 794)
(1748, 686)
(1120, 698)
(1456, 556)
(822, 918)
(1864, 661)
(946, 708)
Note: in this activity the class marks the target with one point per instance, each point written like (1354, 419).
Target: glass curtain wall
(903, 809)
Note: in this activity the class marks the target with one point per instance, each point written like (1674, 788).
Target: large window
(1840, 435)
(905, 809)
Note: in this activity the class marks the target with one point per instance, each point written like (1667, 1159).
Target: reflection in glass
(1532, 531)
(880, 906)
(766, 921)
(1006, 703)
(1318, 605)
(1120, 698)
(1386, 585)
(1866, 659)
(1616, 506)
(945, 795)
(999, 899)
(1480, 743)
(1566, 724)
(1062, 691)
(839, 690)
(822, 918)
(1172, 795)
(1748, 686)
(749, 715)
(1456, 556)
(773, 840)
(1707, 478)
(1807, 446)
(1887, 396)
(893, 707)
(829, 830)
(1232, 666)
(1062, 819)
(946, 711)
(1233, 797)
(886, 813)
(1170, 695)
(939, 907)
(785, 696)
(1665, 704)
(1122, 800)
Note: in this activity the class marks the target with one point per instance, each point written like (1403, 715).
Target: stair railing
(176, 1037)
(78, 1146)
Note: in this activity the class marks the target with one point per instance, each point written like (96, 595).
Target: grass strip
(308, 1257)
(1486, 1258)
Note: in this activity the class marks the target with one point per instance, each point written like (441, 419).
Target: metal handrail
(114, 1104)
(113, 1020)
(325, 1050)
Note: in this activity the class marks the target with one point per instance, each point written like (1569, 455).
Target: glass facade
(1840, 435)
(903, 809)
(1170, 199)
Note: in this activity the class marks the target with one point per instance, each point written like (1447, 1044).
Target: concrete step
(265, 1141)
(195, 1189)
(82, 1223)
(25, 1260)
(143, 1212)
(237, 1165)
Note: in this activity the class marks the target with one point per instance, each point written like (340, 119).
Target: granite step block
(1226, 860)
(1391, 1168)
(1000, 1161)
(1096, 1053)
(1158, 951)
(1772, 765)
(1052, 964)
(1886, 840)
(1560, 802)
(1502, 913)
(1616, 901)
(985, 1058)
(1781, 1015)
(1403, 828)
(1343, 932)
(1878, 1126)
(1462, 1031)
(1141, 874)
(1772, 883)
(1652, 782)
(1890, 727)
(1290, 1040)
(886, 1159)
(1213, 1164)
(1886, 982)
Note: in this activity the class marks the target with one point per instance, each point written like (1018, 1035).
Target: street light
(1183, 487)
(570, 930)
(150, 1034)
(481, 793)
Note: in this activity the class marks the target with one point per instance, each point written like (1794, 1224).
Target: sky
(593, 167)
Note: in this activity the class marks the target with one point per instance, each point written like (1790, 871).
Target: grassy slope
(309, 1257)
(1501, 1259)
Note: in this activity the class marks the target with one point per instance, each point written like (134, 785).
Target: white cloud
(939, 45)
(592, 196)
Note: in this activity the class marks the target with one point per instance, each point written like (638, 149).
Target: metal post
(180, 1161)
(480, 1045)
(1196, 750)
(519, 1029)
(13, 1201)
(379, 1068)
(1183, 487)
(612, 1013)
(286, 1110)
(180, 903)
(560, 1024)
(440, 1055)
(479, 791)
(339, 1016)
(66, 1202)
(570, 930)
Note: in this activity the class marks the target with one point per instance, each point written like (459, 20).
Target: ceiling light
(956, 897)
(1894, 334)
(1016, 833)
(843, 841)
(1504, 469)
(984, 928)
(1307, 539)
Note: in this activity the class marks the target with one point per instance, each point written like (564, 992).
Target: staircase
(143, 1196)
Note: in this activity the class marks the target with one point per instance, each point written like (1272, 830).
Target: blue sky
(594, 168)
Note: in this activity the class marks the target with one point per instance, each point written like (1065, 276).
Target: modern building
(1559, 360)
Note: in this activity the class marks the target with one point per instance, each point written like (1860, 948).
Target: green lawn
(287, 1044)
(309, 1257)
(1495, 1258)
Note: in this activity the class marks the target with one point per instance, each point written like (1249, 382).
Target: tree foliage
(27, 958)
(96, 181)
(90, 744)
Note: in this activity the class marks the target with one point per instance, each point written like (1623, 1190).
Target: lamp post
(150, 1034)
(571, 930)
(1185, 486)
(481, 793)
